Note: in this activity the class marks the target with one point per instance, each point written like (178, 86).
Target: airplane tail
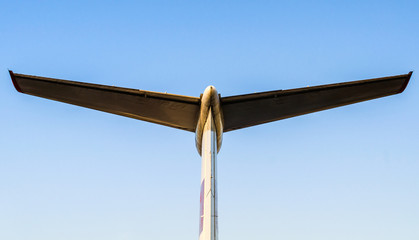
(210, 115)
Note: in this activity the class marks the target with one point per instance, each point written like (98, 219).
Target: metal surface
(230, 113)
(253, 109)
(210, 103)
(166, 109)
(208, 229)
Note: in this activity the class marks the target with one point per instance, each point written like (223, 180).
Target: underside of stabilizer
(171, 110)
(190, 113)
(253, 109)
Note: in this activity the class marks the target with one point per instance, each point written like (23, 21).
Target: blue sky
(73, 173)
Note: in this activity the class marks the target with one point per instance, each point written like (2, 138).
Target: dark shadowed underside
(182, 112)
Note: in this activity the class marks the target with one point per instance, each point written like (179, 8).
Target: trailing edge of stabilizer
(210, 101)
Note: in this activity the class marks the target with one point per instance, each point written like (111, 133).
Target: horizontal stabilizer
(167, 109)
(252, 109)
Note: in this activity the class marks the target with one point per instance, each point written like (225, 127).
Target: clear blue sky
(73, 173)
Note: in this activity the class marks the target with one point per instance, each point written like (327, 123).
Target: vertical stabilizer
(208, 225)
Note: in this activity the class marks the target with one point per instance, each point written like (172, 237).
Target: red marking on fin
(201, 212)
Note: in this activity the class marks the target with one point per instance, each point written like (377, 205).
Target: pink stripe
(201, 200)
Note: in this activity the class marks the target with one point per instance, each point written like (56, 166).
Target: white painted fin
(208, 222)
